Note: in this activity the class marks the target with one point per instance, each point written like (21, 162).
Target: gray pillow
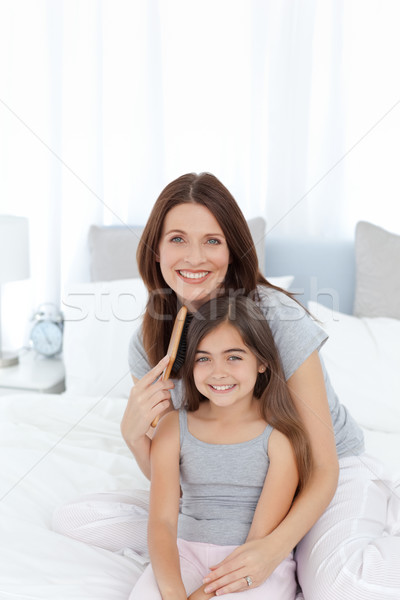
(377, 272)
(113, 252)
(113, 249)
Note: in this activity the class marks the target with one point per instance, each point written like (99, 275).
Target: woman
(196, 245)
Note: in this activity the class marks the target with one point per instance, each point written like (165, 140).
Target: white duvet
(54, 448)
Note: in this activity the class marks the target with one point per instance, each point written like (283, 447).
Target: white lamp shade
(14, 248)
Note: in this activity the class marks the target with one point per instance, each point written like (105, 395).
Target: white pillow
(362, 357)
(99, 321)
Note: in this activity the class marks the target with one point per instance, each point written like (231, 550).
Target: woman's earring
(262, 369)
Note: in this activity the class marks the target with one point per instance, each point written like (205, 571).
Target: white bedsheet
(53, 449)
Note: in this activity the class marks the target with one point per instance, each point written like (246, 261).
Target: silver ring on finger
(249, 580)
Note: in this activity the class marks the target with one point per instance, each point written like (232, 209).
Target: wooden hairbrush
(174, 356)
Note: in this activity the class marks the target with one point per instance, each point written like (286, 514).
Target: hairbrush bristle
(181, 352)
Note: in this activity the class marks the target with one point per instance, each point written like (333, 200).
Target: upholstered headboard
(324, 271)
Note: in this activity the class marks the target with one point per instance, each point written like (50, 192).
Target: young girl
(238, 451)
(345, 521)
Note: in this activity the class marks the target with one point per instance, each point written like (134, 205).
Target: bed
(57, 447)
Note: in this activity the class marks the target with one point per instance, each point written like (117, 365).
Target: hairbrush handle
(173, 348)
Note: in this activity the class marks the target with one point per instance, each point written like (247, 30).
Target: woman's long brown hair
(243, 272)
(276, 404)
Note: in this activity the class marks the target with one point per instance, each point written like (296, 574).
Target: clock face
(46, 338)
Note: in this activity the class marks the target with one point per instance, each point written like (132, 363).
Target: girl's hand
(200, 594)
(254, 559)
(146, 401)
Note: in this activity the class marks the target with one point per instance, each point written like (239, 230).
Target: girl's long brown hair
(243, 272)
(276, 404)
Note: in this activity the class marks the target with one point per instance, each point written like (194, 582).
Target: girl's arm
(164, 508)
(279, 487)
(146, 401)
(261, 557)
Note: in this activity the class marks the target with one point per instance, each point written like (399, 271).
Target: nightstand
(34, 373)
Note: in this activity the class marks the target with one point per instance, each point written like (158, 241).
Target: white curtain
(293, 104)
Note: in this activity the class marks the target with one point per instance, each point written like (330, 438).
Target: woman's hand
(146, 401)
(255, 559)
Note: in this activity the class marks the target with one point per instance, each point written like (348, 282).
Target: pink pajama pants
(196, 559)
(351, 553)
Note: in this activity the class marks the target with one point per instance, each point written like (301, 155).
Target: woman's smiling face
(193, 253)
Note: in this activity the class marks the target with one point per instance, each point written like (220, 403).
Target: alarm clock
(46, 336)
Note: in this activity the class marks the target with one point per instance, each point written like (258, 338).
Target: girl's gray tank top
(221, 485)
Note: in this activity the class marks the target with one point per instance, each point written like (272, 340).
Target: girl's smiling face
(225, 370)
(193, 253)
